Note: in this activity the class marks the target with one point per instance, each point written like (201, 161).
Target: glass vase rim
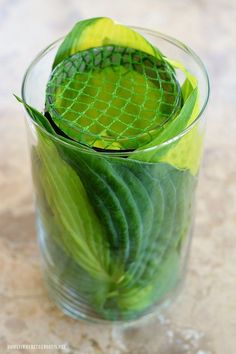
(77, 145)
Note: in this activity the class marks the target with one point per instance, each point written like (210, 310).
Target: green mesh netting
(112, 97)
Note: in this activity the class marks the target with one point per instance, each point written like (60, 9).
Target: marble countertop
(203, 320)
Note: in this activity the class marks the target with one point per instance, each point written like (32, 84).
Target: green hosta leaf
(62, 263)
(145, 209)
(82, 234)
(119, 220)
(97, 32)
(169, 131)
(37, 117)
(71, 43)
(190, 82)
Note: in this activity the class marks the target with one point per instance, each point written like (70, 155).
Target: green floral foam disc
(112, 97)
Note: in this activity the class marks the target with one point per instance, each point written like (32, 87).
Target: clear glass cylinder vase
(114, 229)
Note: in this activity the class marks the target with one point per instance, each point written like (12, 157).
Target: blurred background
(203, 320)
